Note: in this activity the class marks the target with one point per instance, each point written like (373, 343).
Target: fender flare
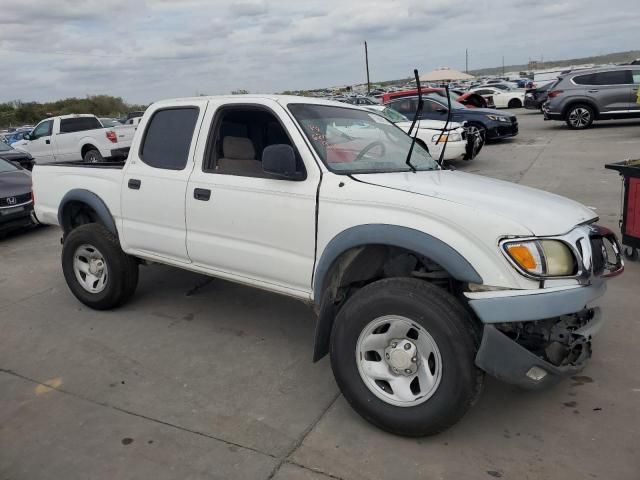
(92, 200)
(379, 234)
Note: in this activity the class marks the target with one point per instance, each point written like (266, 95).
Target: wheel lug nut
(414, 359)
(407, 346)
(386, 355)
(394, 344)
(407, 370)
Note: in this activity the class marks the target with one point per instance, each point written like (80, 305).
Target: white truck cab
(70, 138)
(423, 279)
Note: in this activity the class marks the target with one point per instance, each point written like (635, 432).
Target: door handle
(47, 141)
(134, 184)
(593, 91)
(203, 194)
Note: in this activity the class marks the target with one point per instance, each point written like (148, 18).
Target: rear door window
(79, 124)
(614, 77)
(167, 139)
(636, 76)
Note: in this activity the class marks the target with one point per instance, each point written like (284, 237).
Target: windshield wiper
(415, 119)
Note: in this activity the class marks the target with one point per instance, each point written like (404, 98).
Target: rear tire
(93, 156)
(579, 116)
(429, 317)
(515, 103)
(96, 269)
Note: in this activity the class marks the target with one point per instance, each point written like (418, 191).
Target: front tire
(515, 103)
(579, 116)
(96, 269)
(402, 353)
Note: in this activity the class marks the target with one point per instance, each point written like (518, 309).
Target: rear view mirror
(280, 160)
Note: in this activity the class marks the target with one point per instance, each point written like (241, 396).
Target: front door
(39, 145)
(155, 182)
(241, 222)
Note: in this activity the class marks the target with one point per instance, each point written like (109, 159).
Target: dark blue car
(490, 124)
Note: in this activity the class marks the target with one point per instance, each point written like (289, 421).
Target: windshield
(357, 141)
(393, 116)
(7, 166)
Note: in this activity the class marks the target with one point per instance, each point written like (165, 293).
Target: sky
(146, 50)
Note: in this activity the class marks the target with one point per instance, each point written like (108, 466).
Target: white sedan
(501, 98)
(460, 146)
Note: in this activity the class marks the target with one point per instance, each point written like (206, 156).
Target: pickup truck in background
(423, 278)
(70, 138)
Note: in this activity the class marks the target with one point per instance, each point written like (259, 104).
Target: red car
(468, 99)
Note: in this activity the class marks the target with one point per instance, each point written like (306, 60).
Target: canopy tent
(444, 74)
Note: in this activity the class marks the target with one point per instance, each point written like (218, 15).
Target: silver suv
(582, 96)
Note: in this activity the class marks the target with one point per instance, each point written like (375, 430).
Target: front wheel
(515, 103)
(96, 269)
(402, 352)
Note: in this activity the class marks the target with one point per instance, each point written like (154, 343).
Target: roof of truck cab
(72, 115)
(282, 99)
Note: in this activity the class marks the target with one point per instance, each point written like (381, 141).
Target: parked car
(502, 98)
(110, 122)
(488, 123)
(131, 115)
(71, 138)
(432, 135)
(15, 136)
(16, 204)
(468, 99)
(23, 159)
(534, 98)
(423, 278)
(359, 101)
(580, 97)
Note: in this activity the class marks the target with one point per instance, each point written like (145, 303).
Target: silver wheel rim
(398, 361)
(92, 158)
(473, 130)
(579, 117)
(90, 268)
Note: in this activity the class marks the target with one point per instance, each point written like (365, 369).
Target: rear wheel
(93, 156)
(96, 269)
(515, 103)
(402, 352)
(579, 116)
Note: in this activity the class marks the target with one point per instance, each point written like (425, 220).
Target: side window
(405, 106)
(636, 76)
(238, 138)
(615, 77)
(42, 130)
(168, 138)
(431, 107)
(79, 124)
(584, 79)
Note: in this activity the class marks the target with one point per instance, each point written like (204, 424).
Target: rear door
(155, 181)
(611, 90)
(72, 129)
(40, 146)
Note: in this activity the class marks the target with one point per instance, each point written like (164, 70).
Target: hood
(14, 183)
(540, 212)
(13, 154)
(430, 124)
(482, 111)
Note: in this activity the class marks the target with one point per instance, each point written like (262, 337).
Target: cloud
(144, 50)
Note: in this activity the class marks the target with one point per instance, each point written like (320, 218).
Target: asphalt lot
(201, 378)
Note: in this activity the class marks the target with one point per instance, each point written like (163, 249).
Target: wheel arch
(580, 101)
(90, 205)
(354, 255)
(86, 147)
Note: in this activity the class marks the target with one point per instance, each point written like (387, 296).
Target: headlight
(444, 137)
(542, 258)
(498, 118)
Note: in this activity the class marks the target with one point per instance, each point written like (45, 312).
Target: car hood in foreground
(14, 183)
(540, 212)
(13, 155)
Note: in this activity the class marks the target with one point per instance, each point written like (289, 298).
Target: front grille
(19, 199)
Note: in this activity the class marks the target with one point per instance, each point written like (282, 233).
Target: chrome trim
(579, 243)
(18, 205)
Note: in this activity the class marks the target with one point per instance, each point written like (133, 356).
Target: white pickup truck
(70, 138)
(423, 278)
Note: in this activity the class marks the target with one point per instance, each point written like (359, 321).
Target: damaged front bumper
(539, 353)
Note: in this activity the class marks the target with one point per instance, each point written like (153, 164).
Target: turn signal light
(555, 93)
(523, 256)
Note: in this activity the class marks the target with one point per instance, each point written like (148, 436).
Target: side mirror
(280, 161)
(26, 136)
(441, 110)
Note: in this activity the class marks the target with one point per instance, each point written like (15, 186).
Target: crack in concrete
(308, 430)
(537, 157)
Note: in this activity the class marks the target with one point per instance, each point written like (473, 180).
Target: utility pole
(466, 60)
(366, 59)
(503, 65)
